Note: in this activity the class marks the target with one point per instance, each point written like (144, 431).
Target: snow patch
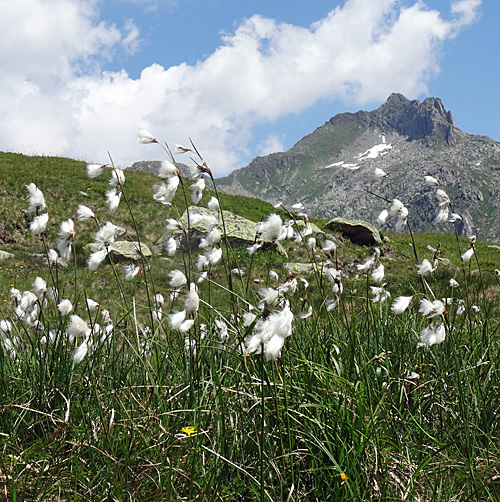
(351, 167)
(374, 152)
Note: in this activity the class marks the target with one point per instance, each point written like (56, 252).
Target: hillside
(330, 170)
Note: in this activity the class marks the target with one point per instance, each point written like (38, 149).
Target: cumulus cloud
(271, 144)
(55, 98)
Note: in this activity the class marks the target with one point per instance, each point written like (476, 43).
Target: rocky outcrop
(413, 119)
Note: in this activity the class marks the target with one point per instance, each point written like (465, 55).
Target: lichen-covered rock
(315, 229)
(4, 255)
(125, 249)
(240, 231)
(307, 268)
(357, 231)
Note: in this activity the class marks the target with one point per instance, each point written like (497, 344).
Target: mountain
(331, 169)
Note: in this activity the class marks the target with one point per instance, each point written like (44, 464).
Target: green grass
(342, 399)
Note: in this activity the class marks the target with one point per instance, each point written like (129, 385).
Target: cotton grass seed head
(400, 304)
(145, 137)
(39, 224)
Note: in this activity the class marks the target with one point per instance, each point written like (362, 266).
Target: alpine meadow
(161, 341)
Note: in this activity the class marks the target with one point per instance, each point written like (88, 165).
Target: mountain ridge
(330, 169)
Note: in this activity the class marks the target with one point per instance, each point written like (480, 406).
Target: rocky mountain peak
(414, 119)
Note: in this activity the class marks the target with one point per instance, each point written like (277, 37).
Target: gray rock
(357, 231)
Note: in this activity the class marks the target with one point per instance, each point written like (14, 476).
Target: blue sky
(79, 77)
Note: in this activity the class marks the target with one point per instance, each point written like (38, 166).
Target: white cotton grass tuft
(454, 217)
(467, 255)
(380, 294)
(270, 334)
(175, 320)
(165, 192)
(425, 268)
(180, 149)
(431, 181)
(442, 198)
(395, 207)
(80, 352)
(76, 327)
(367, 265)
(95, 170)
(145, 137)
(213, 205)
(65, 307)
(273, 276)
(378, 274)
(177, 279)
(106, 234)
(67, 230)
(36, 200)
(211, 238)
(382, 217)
(113, 197)
(91, 304)
(117, 178)
(400, 304)
(380, 173)
(271, 228)
(331, 304)
(52, 257)
(329, 246)
(442, 215)
(453, 283)
(39, 287)
(433, 334)
(84, 213)
(131, 271)
(213, 255)
(39, 224)
(186, 326)
(311, 243)
(431, 309)
(192, 300)
(171, 246)
(168, 170)
(251, 249)
(402, 219)
(197, 187)
(268, 296)
(95, 259)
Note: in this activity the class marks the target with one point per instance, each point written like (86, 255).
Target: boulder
(357, 231)
(125, 249)
(4, 255)
(240, 231)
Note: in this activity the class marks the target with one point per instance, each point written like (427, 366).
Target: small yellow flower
(188, 430)
(343, 479)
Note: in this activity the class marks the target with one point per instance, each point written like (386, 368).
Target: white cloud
(55, 100)
(271, 144)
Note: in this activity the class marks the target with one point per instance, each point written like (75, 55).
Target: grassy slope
(339, 399)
